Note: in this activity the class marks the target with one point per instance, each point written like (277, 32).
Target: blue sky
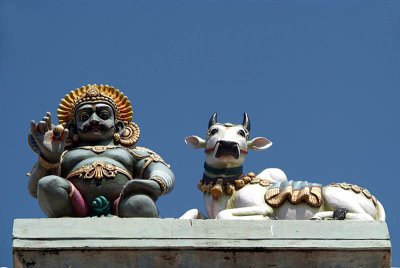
(320, 79)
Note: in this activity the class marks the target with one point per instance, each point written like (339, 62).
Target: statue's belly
(110, 188)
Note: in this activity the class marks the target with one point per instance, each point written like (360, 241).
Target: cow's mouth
(227, 148)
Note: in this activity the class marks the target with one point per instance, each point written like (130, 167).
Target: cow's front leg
(193, 214)
(246, 213)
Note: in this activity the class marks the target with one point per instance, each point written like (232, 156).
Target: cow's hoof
(272, 217)
(340, 214)
(316, 219)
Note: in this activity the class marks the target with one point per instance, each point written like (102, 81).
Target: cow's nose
(227, 144)
(226, 148)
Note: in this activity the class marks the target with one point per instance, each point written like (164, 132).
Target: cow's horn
(213, 120)
(246, 122)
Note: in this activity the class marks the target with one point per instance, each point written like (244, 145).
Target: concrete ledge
(121, 242)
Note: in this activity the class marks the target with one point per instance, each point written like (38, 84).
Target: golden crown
(95, 94)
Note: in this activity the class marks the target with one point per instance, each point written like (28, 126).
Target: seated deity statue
(89, 164)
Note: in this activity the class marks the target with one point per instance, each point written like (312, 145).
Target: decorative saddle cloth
(295, 192)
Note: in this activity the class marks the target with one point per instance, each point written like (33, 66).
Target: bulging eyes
(241, 133)
(104, 115)
(84, 117)
(213, 131)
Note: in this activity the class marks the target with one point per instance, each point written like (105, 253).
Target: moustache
(101, 126)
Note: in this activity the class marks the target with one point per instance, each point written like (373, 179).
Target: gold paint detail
(72, 192)
(161, 183)
(117, 137)
(312, 196)
(153, 157)
(246, 179)
(217, 191)
(30, 173)
(230, 189)
(356, 189)
(98, 170)
(58, 130)
(98, 149)
(203, 188)
(251, 174)
(199, 185)
(219, 186)
(48, 165)
(264, 183)
(95, 94)
(239, 184)
(129, 137)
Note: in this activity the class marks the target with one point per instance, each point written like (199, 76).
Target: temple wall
(140, 242)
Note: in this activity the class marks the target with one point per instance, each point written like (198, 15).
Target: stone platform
(121, 242)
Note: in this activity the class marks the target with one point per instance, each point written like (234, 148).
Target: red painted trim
(209, 150)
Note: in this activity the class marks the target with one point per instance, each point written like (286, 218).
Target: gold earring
(117, 137)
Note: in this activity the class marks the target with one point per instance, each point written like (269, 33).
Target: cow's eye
(213, 131)
(241, 133)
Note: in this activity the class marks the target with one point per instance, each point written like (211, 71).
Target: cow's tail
(380, 212)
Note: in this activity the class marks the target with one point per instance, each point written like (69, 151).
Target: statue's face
(95, 122)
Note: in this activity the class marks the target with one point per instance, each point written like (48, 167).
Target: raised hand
(51, 142)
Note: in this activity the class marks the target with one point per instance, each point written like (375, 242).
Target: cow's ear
(259, 144)
(195, 142)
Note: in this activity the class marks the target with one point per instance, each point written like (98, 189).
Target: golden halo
(95, 94)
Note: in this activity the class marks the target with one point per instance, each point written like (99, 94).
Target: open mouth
(227, 148)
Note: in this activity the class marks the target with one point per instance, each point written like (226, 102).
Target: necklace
(217, 186)
(98, 149)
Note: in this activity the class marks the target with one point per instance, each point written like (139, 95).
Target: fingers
(34, 127)
(64, 135)
(47, 119)
(42, 126)
(48, 115)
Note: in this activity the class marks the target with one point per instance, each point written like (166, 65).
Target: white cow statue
(230, 194)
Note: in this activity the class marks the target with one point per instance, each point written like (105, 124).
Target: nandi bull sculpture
(229, 194)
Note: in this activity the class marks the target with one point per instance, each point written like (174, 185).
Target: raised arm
(48, 142)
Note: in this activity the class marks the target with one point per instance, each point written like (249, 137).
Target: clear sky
(320, 79)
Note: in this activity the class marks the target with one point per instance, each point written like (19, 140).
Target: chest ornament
(217, 186)
(98, 170)
(98, 149)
